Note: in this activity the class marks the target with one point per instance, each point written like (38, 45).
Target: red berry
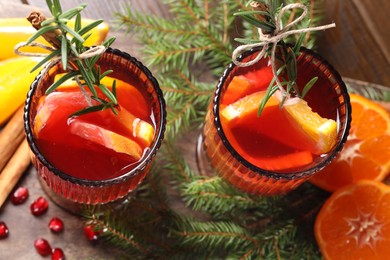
(56, 225)
(42, 246)
(90, 233)
(39, 206)
(3, 230)
(19, 196)
(57, 254)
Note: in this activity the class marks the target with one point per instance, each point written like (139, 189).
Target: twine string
(279, 34)
(91, 52)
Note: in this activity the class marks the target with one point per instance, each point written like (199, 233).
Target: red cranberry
(3, 230)
(56, 225)
(19, 196)
(57, 254)
(39, 206)
(42, 246)
(91, 233)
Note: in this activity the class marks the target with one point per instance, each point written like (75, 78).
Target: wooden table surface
(359, 48)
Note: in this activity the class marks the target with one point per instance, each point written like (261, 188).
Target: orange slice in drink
(106, 138)
(306, 129)
(140, 129)
(320, 132)
(354, 223)
(246, 84)
(244, 106)
(366, 154)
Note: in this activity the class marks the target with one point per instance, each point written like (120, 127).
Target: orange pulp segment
(354, 223)
(139, 128)
(321, 132)
(245, 106)
(366, 154)
(60, 105)
(246, 84)
(313, 133)
(106, 138)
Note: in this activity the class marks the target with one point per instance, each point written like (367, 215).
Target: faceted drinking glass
(220, 155)
(72, 192)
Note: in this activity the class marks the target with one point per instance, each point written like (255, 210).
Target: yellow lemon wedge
(16, 30)
(320, 132)
(15, 81)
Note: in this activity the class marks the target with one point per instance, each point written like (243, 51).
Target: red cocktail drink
(271, 153)
(96, 157)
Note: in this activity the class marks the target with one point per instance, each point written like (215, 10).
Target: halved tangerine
(354, 223)
(366, 154)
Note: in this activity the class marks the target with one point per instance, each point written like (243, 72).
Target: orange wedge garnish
(106, 138)
(320, 132)
(244, 106)
(139, 129)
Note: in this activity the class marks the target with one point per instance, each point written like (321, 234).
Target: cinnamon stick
(14, 169)
(11, 136)
(36, 18)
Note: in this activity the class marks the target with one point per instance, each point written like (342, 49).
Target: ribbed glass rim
(274, 174)
(146, 159)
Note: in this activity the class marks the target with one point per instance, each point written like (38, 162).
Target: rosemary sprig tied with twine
(267, 16)
(77, 59)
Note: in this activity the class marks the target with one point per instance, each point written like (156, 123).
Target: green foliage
(83, 70)
(177, 213)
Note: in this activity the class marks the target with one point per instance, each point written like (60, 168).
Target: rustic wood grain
(360, 44)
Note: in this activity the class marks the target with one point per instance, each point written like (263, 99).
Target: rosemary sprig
(69, 49)
(286, 54)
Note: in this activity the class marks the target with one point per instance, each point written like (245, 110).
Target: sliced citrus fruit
(321, 132)
(246, 105)
(354, 223)
(128, 95)
(106, 138)
(366, 154)
(140, 129)
(58, 106)
(236, 87)
(16, 30)
(15, 81)
(55, 109)
(246, 84)
(306, 129)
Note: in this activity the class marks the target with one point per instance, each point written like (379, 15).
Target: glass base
(79, 208)
(202, 161)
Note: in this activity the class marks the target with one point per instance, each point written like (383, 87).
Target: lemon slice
(320, 132)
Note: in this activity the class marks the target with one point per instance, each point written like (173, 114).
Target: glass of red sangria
(275, 150)
(98, 157)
